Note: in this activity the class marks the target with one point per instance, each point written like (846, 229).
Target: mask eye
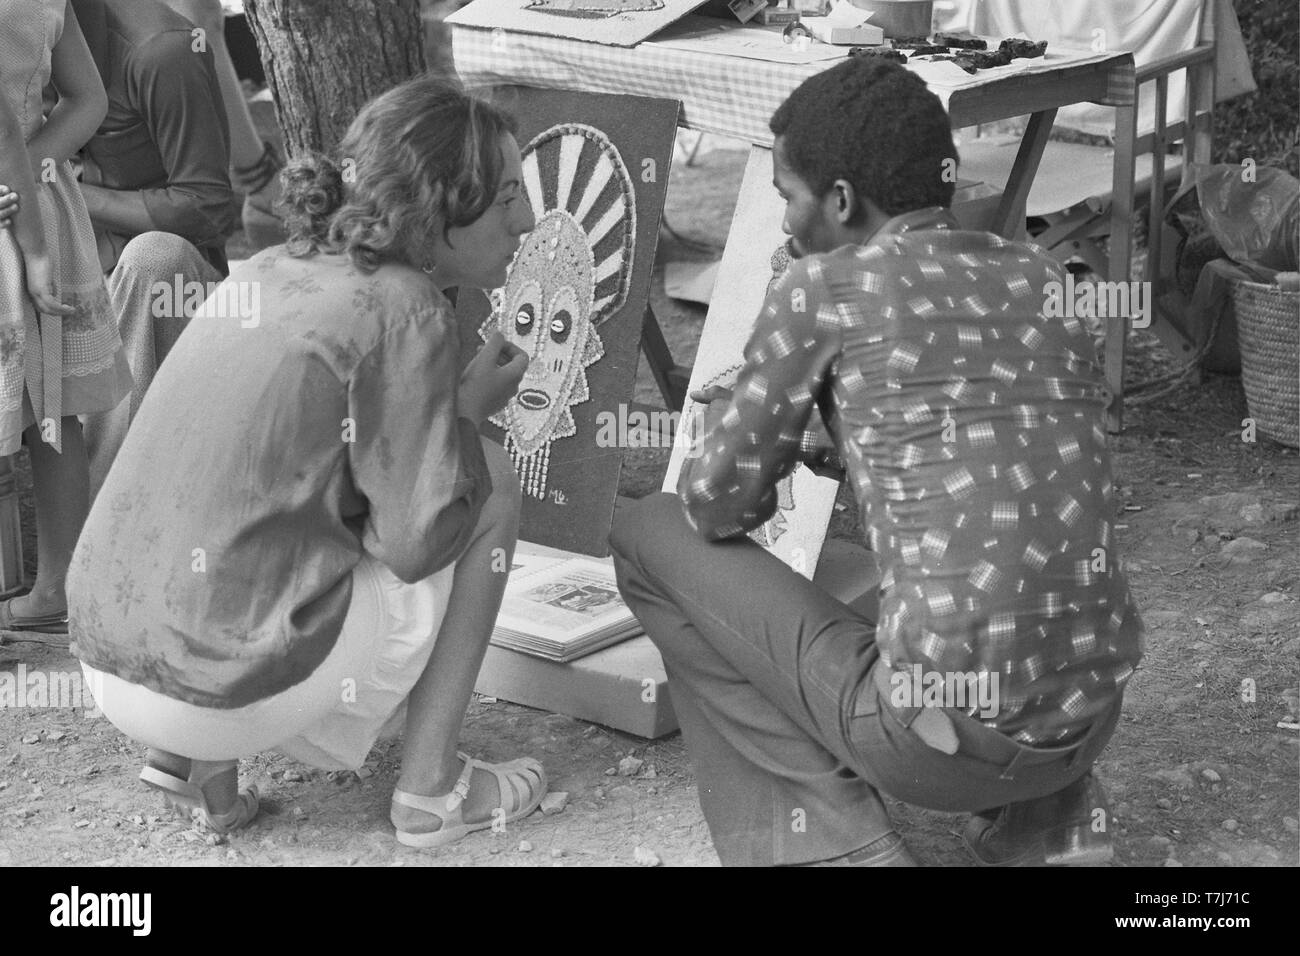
(524, 320)
(560, 325)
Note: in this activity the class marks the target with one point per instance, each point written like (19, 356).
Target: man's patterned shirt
(972, 428)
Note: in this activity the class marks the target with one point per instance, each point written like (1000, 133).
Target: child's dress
(73, 365)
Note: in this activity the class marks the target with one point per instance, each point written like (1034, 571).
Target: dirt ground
(1202, 770)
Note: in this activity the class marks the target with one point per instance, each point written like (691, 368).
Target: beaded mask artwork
(570, 274)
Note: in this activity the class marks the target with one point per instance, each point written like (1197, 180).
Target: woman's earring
(427, 268)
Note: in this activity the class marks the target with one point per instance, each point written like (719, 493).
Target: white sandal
(521, 783)
(189, 795)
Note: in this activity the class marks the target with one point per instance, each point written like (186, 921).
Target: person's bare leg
(174, 764)
(61, 486)
(436, 706)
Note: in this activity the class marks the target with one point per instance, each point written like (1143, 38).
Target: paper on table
(947, 75)
(707, 35)
(616, 22)
(845, 14)
(845, 24)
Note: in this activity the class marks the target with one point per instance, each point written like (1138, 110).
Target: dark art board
(596, 172)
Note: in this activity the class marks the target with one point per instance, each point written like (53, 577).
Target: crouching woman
(301, 545)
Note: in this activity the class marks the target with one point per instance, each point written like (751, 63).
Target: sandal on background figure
(55, 624)
(521, 783)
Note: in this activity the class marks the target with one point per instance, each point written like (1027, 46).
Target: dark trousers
(773, 682)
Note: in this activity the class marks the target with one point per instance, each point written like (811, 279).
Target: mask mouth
(533, 399)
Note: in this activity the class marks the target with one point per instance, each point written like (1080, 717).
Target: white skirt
(332, 719)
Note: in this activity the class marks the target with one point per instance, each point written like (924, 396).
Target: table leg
(1009, 220)
(669, 376)
(1121, 244)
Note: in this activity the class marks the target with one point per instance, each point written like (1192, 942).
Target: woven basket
(1268, 330)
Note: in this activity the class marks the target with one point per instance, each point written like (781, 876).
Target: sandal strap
(461, 790)
(238, 816)
(444, 805)
(513, 780)
(517, 782)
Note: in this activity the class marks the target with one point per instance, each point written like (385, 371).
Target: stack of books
(560, 606)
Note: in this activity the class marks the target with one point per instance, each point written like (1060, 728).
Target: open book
(561, 606)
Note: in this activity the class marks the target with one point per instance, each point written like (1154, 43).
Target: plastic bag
(1254, 213)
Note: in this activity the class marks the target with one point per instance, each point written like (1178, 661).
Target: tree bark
(325, 58)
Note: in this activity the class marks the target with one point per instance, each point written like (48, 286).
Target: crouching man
(971, 427)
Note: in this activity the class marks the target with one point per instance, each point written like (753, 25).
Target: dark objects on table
(921, 49)
(1017, 49)
(959, 42)
(878, 51)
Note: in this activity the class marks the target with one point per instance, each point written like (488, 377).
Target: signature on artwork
(593, 9)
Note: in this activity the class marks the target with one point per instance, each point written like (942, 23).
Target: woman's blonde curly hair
(422, 157)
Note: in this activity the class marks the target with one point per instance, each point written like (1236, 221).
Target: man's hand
(90, 174)
(491, 378)
(715, 399)
(8, 206)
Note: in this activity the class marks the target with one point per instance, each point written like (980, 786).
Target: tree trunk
(325, 58)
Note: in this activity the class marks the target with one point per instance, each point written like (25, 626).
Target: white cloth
(330, 720)
(1150, 29)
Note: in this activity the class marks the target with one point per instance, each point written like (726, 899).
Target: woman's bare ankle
(169, 762)
(219, 781)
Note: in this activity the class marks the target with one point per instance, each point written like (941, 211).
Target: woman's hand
(8, 205)
(40, 286)
(491, 379)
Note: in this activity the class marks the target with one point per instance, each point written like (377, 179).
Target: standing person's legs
(60, 486)
(437, 704)
(147, 259)
(764, 669)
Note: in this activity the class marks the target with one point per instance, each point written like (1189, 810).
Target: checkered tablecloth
(729, 95)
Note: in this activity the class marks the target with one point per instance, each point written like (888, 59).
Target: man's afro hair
(875, 124)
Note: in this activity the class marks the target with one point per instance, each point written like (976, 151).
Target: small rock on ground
(644, 856)
(1178, 777)
(554, 802)
(628, 766)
